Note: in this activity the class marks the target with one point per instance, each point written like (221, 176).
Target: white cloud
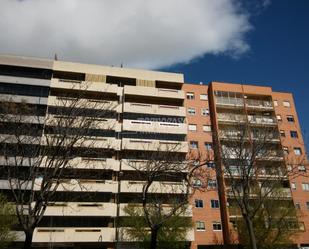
(139, 33)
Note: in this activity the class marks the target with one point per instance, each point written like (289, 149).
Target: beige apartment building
(148, 111)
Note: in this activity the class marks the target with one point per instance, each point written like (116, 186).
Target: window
(294, 134)
(293, 185)
(192, 127)
(212, 184)
(205, 112)
(211, 164)
(297, 205)
(200, 226)
(282, 133)
(191, 111)
(305, 186)
(297, 151)
(208, 146)
(302, 168)
(289, 167)
(193, 144)
(190, 95)
(199, 203)
(279, 118)
(301, 226)
(286, 103)
(307, 204)
(206, 128)
(197, 183)
(214, 204)
(290, 118)
(275, 102)
(203, 97)
(216, 226)
(285, 150)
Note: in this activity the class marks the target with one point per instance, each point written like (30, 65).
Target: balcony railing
(229, 101)
(263, 120)
(259, 103)
(235, 118)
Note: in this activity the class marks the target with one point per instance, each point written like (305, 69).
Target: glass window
(193, 144)
(286, 103)
(279, 118)
(297, 205)
(200, 226)
(294, 134)
(285, 150)
(289, 167)
(282, 133)
(290, 118)
(275, 102)
(293, 185)
(190, 95)
(208, 146)
(203, 97)
(297, 151)
(305, 186)
(192, 127)
(206, 128)
(302, 168)
(214, 204)
(212, 184)
(191, 111)
(211, 164)
(205, 112)
(199, 203)
(307, 204)
(197, 183)
(216, 226)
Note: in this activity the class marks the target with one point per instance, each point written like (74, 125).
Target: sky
(261, 42)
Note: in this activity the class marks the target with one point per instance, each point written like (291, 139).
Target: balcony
(155, 109)
(81, 209)
(156, 187)
(124, 236)
(156, 127)
(229, 102)
(231, 118)
(76, 234)
(87, 142)
(259, 104)
(261, 120)
(154, 92)
(84, 86)
(86, 185)
(96, 104)
(186, 213)
(154, 145)
(94, 163)
(89, 185)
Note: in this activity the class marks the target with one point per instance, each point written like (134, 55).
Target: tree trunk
(28, 241)
(251, 233)
(154, 237)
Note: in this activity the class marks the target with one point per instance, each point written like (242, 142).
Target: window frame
(190, 96)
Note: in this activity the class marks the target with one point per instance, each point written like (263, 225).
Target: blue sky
(278, 56)
(262, 42)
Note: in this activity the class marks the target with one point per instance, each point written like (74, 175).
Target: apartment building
(145, 114)
(261, 110)
(147, 111)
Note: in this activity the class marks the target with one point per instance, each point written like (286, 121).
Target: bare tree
(257, 182)
(39, 143)
(176, 175)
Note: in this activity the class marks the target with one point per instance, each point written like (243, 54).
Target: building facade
(148, 111)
